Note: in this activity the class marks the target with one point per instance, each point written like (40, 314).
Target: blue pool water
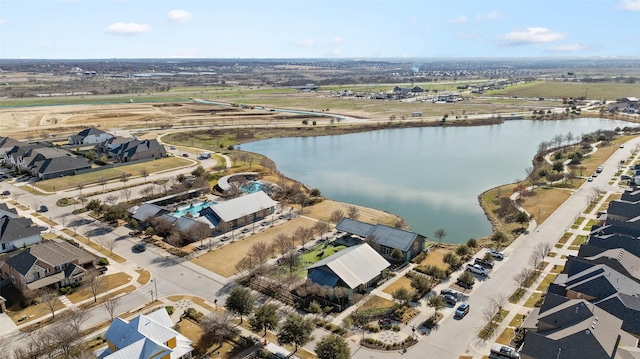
(255, 186)
(193, 209)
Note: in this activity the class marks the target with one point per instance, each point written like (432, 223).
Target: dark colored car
(464, 285)
(43, 208)
(6, 193)
(140, 247)
(185, 155)
(449, 299)
(102, 269)
(483, 262)
(384, 321)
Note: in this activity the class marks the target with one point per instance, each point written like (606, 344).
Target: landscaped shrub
(395, 328)
(103, 261)
(372, 328)
(193, 314)
(169, 309)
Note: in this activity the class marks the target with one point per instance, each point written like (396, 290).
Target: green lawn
(312, 256)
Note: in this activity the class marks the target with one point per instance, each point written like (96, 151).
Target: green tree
(467, 278)
(402, 295)
(332, 347)
(421, 283)
(499, 238)
(437, 302)
(472, 243)
(558, 166)
(450, 258)
(296, 330)
(396, 254)
(522, 218)
(265, 317)
(240, 301)
(463, 250)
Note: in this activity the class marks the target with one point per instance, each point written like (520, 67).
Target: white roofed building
(145, 337)
(240, 211)
(355, 268)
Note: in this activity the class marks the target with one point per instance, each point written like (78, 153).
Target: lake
(430, 176)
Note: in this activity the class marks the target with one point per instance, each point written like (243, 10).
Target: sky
(104, 29)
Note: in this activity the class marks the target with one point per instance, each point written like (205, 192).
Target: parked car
(6, 193)
(386, 321)
(503, 352)
(625, 177)
(102, 269)
(477, 269)
(496, 253)
(463, 309)
(140, 247)
(449, 299)
(483, 262)
(452, 292)
(185, 155)
(590, 179)
(464, 285)
(43, 208)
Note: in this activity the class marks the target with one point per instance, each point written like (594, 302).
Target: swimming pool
(255, 186)
(193, 209)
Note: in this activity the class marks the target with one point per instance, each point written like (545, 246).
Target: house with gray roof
(7, 143)
(386, 238)
(46, 162)
(240, 211)
(355, 268)
(17, 232)
(610, 283)
(111, 146)
(146, 336)
(146, 211)
(89, 136)
(45, 264)
(6, 211)
(135, 150)
(573, 328)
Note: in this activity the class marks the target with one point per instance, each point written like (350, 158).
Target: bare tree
(49, 297)
(198, 232)
(260, 252)
(537, 256)
(336, 216)
(440, 233)
(321, 227)
(126, 193)
(400, 223)
(353, 212)
(110, 305)
(103, 183)
(111, 199)
(303, 235)
(75, 318)
(95, 283)
(372, 241)
(545, 248)
(291, 259)
(217, 328)
(283, 243)
(144, 173)
(522, 278)
(148, 191)
(124, 178)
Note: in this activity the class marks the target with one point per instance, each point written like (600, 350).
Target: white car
(476, 269)
(496, 253)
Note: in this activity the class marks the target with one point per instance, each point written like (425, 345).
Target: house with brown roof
(47, 264)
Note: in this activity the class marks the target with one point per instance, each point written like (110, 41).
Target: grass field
(312, 256)
(435, 258)
(546, 282)
(135, 170)
(323, 210)
(556, 89)
(402, 282)
(223, 260)
(533, 299)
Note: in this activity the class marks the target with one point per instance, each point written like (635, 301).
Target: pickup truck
(476, 269)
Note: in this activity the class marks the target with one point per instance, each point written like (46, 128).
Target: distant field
(554, 89)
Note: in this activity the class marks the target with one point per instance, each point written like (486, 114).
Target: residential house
(240, 211)
(6, 211)
(135, 150)
(146, 336)
(146, 211)
(573, 328)
(7, 143)
(111, 146)
(46, 162)
(609, 280)
(89, 136)
(45, 264)
(16, 232)
(355, 268)
(386, 238)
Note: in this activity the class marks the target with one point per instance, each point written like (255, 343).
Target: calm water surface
(430, 176)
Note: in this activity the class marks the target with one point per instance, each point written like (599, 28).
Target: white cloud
(337, 40)
(569, 48)
(494, 15)
(306, 42)
(629, 5)
(130, 28)
(178, 16)
(459, 20)
(45, 44)
(531, 35)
